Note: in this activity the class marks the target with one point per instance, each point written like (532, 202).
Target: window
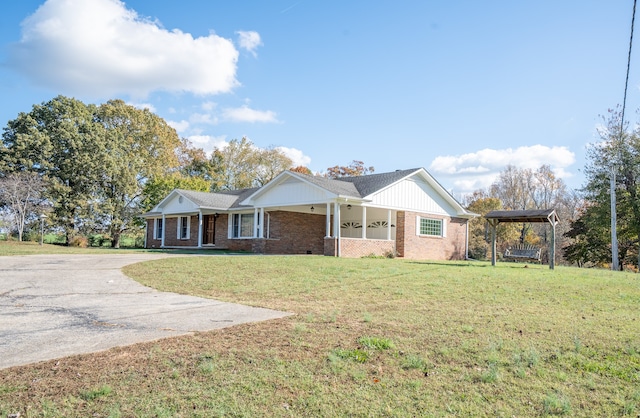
(242, 226)
(183, 227)
(431, 227)
(158, 229)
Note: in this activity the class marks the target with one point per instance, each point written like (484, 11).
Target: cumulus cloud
(249, 40)
(101, 48)
(180, 127)
(246, 114)
(476, 170)
(297, 156)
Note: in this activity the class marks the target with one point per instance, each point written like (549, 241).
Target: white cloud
(246, 114)
(208, 142)
(297, 156)
(100, 48)
(208, 106)
(181, 126)
(249, 40)
(203, 118)
(472, 171)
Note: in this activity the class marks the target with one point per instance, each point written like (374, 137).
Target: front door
(209, 230)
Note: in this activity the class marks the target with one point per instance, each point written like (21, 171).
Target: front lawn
(370, 337)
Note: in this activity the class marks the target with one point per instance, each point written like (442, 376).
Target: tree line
(94, 168)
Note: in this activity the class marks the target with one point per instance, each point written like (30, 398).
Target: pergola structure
(496, 217)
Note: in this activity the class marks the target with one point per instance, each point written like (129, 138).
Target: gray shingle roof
(209, 200)
(355, 187)
(358, 186)
(338, 187)
(372, 183)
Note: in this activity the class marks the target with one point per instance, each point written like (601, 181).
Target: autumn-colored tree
(302, 170)
(356, 168)
(479, 232)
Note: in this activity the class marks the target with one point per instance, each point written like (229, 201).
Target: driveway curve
(53, 306)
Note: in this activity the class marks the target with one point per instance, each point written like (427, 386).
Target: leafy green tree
(159, 187)
(59, 140)
(93, 160)
(618, 152)
(138, 146)
(241, 165)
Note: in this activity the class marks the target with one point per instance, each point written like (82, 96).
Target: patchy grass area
(371, 337)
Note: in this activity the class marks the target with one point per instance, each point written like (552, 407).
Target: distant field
(371, 337)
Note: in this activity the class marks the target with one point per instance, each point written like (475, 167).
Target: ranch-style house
(405, 213)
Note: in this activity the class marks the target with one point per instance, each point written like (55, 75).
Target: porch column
(388, 224)
(200, 228)
(494, 226)
(164, 229)
(328, 220)
(552, 252)
(255, 222)
(364, 222)
(336, 220)
(262, 225)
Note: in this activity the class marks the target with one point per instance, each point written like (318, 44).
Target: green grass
(438, 339)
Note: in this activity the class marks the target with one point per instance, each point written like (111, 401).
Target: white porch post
(255, 222)
(389, 224)
(164, 229)
(200, 228)
(336, 220)
(328, 220)
(364, 222)
(262, 225)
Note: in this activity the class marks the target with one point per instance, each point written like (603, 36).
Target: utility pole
(614, 234)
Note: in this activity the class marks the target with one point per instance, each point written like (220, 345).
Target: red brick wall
(295, 233)
(330, 246)
(411, 245)
(171, 234)
(151, 241)
(357, 247)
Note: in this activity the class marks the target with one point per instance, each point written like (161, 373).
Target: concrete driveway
(53, 306)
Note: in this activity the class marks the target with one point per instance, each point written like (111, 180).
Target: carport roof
(535, 215)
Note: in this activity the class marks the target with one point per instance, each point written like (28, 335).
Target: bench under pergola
(496, 217)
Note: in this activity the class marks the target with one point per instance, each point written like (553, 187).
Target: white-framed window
(184, 226)
(158, 228)
(431, 227)
(242, 225)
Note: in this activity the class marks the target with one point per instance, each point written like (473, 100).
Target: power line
(626, 82)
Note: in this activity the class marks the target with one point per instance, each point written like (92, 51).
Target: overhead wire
(626, 82)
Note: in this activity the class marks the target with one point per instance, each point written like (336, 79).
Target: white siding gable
(413, 194)
(179, 204)
(292, 192)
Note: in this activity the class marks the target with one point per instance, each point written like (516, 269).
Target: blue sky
(462, 88)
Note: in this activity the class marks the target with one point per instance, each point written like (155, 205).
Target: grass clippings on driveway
(371, 337)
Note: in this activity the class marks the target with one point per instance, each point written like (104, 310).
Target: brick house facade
(403, 213)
